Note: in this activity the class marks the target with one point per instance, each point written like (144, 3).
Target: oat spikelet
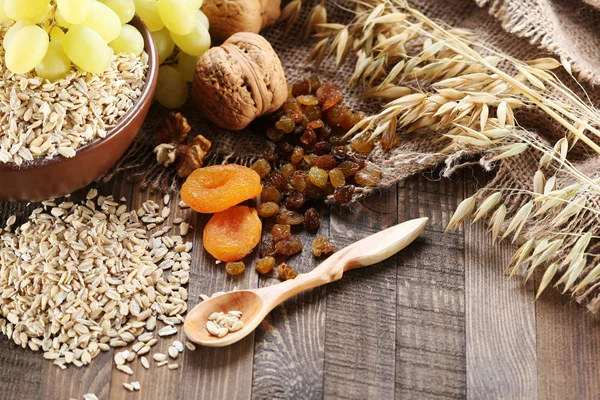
(518, 221)
(497, 221)
(487, 205)
(547, 278)
(464, 209)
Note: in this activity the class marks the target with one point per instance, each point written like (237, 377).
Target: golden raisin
(262, 167)
(287, 169)
(268, 209)
(368, 176)
(285, 272)
(292, 110)
(288, 246)
(307, 100)
(325, 162)
(287, 217)
(362, 144)
(321, 246)
(270, 194)
(318, 177)
(267, 247)
(337, 178)
(285, 124)
(329, 94)
(299, 180)
(339, 115)
(280, 232)
(348, 168)
(297, 155)
(313, 113)
(219, 187)
(265, 265)
(235, 268)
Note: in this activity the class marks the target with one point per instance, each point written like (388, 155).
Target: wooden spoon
(255, 304)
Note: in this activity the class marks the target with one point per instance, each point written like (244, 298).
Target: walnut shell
(231, 16)
(239, 81)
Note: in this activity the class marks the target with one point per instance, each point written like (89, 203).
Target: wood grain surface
(440, 320)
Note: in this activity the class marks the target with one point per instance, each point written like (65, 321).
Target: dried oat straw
(41, 119)
(76, 279)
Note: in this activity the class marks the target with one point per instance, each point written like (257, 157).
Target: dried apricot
(230, 235)
(219, 187)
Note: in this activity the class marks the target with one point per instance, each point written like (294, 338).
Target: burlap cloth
(525, 29)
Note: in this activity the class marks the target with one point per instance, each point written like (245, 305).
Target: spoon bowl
(255, 304)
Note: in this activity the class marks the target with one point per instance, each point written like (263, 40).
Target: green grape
(24, 9)
(56, 64)
(125, 9)
(164, 44)
(186, 65)
(60, 21)
(130, 41)
(177, 15)
(171, 88)
(203, 18)
(74, 11)
(56, 34)
(148, 12)
(196, 42)
(27, 49)
(104, 21)
(12, 31)
(87, 49)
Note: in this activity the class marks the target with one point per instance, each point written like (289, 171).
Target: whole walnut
(231, 16)
(239, 81)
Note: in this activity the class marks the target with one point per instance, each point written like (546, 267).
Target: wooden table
(440, 320)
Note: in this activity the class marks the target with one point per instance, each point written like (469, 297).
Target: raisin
(318, 177)
(325, 131)
(315, 124)
(337, 139)
(277, 180)
(299, 181)
(267, 247)
(287, 170)
(265, 265)
(321, 246)
(329, 94)
(312, 219)
(315, 83)
(235, 268)
(343, 194)
(348, 168)
(284, 149)
(308, 158)
(299, 130)
(285, 124)
(337, 178)
(368, 176)
(285, 272)
(288, 246)
(295, 201)
(313, 113)
(325, 162)
(275, 134)
(307, 100)
(340, 154)
(268, 152)
(292, 109)
(268, 209)
(262, 167)
(338, 115)
(322, 148)
(308, 138)
(297, 155)
(301, 88)
(280, 232)
(362, 144)
(315, 193)
(287, 217)
(270, 194)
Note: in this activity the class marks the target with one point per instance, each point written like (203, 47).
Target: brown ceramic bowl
(50, 178)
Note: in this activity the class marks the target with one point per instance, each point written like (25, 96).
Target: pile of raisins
(306, 161)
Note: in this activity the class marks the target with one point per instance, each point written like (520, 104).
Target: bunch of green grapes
(49, 35)
(173, 23)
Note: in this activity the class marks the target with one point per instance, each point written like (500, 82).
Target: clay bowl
(50, 178)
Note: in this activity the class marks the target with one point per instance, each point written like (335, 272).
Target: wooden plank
(95, 378)
(568, 344)
(289, 349)
(500, 320)
(216, 373)
(430, 341)
(360, 320)
(19, 368)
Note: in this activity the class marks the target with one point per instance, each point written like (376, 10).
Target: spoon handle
(365, 252)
